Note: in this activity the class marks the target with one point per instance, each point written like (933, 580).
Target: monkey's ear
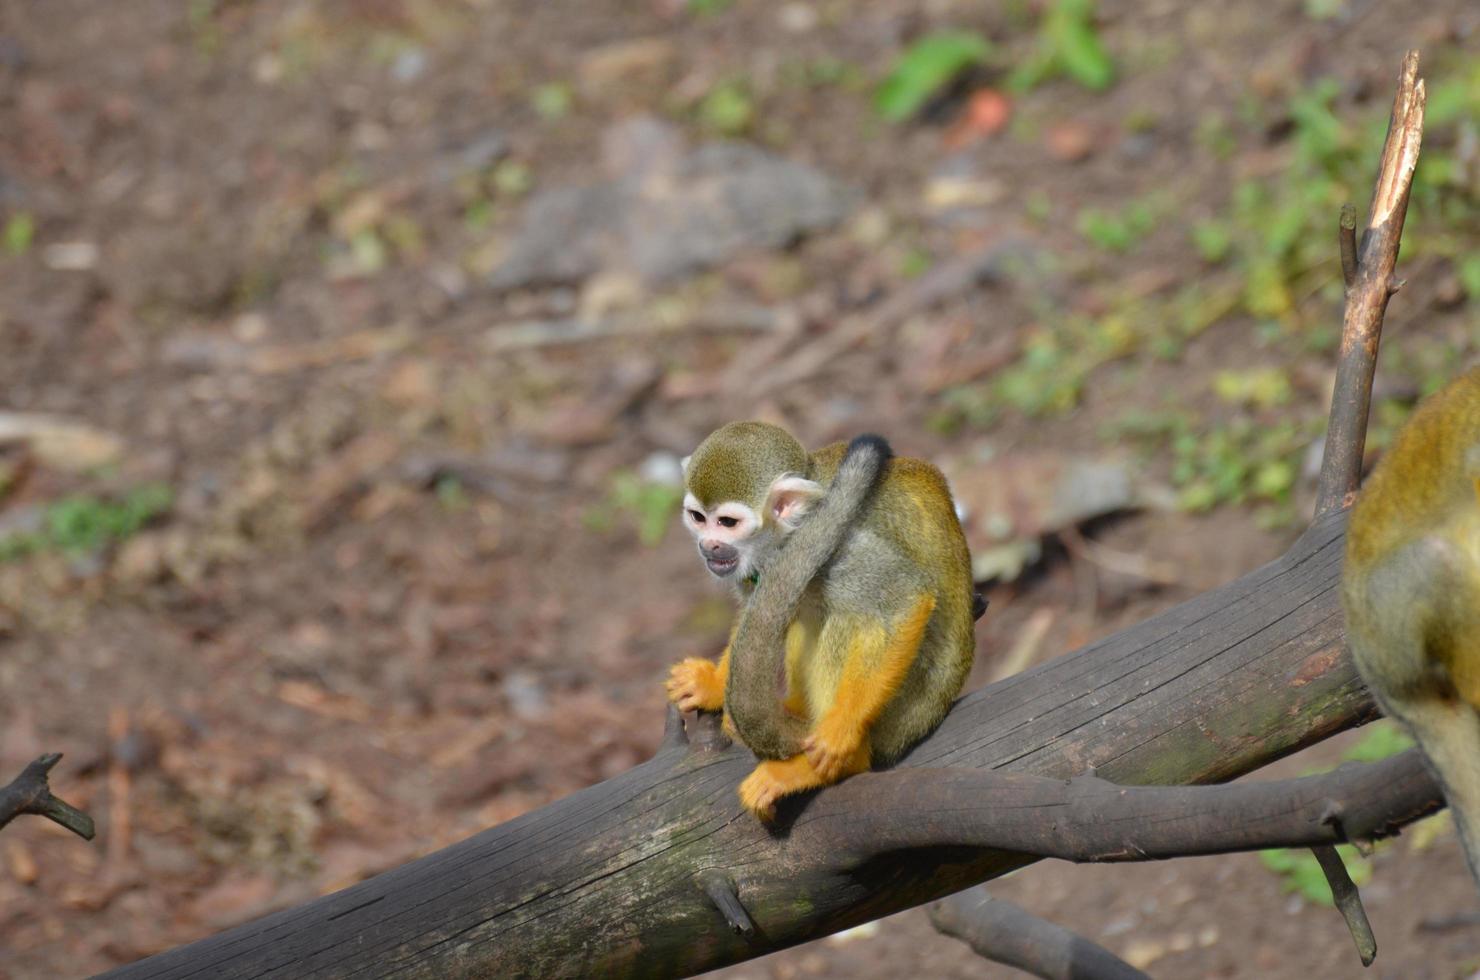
(789, 499)
(683, 464)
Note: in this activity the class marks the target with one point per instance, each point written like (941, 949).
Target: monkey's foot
(833, 749)
(694, 685)
(773, 779)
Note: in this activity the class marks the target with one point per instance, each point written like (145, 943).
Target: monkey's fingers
(693, 685)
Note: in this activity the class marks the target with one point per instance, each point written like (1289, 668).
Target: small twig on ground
(31, 793)
(1368, 270)
(1025, 645)
(1120, 562)
(1002, 932)
(940, 284)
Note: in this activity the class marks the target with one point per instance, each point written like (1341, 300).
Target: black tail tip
(871, 443)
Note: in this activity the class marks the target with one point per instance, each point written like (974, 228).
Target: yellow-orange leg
(870, 677)
(697, 684)
(775, 778)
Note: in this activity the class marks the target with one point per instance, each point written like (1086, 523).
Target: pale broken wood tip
(1400, 151)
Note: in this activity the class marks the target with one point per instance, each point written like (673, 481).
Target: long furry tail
(753, 696)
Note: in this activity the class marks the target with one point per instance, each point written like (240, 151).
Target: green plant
(709, 7)
(552, 100)
(1212, 239)
(728, 108)
(1234, 463)
(915, 262)
(20, 230)
(1118, 231)
(82, 524)
(649, 506)
(451, 494)
(512, 178)
(924, 69)
(1275, 232)
(1302, 872)
(1067, 44)
(1382, 739)
(1257, 388)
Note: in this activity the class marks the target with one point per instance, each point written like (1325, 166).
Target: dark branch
(706, 734)
(1369, 278)
(31, 793)
(1087, 819)
(1002, 932)
(721, 891)
(1348, 901)
(674, 736)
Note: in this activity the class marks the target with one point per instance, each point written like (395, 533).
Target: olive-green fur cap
(740, 460)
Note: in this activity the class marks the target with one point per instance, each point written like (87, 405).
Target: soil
(249, 246)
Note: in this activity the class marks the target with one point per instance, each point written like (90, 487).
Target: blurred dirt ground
(345, 348)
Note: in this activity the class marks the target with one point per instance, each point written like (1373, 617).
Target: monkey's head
(747, 487)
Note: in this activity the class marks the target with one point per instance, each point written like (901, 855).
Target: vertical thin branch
(1368, 292)
(1348, 901)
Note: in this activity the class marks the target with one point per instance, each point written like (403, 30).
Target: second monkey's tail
(758, 653)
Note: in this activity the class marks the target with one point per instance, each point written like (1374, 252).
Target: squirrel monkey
(857, 604)
(1411, 588)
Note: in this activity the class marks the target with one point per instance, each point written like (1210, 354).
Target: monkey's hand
(833, 747)
(695, 684)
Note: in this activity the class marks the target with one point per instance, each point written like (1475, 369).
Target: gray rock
(663, 214)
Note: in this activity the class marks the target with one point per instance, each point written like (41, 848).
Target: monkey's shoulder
(1426, 479)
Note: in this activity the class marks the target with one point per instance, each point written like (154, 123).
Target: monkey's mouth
(722, 566)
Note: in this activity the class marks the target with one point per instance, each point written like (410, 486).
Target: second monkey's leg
(872, 671)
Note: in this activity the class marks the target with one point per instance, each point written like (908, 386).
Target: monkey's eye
(728, 522)
(696, 517)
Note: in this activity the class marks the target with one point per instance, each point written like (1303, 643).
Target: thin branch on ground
(30, 792)
(1002, 932)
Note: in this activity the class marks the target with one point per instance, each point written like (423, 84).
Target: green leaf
(1382, 739)
(19, 231)
(1213, 240)
(1469, 276)
(728, 109)
(925, 68)
(1070, 30)
(552, 100)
